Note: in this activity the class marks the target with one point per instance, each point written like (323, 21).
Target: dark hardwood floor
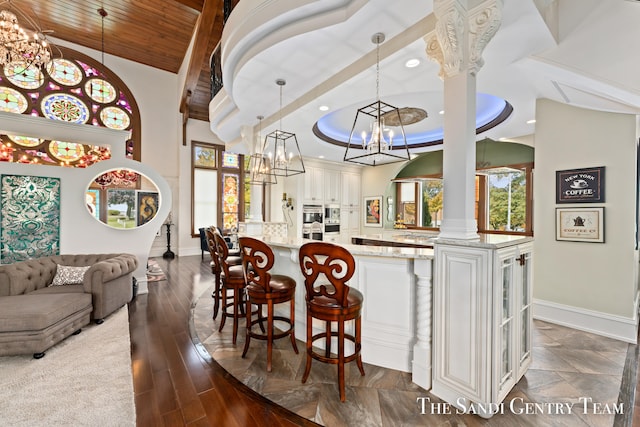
(175, 384)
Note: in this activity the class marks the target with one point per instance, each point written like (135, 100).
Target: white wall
(376, 181)
(157, 95)
(197, 130)
(80, 231)
(590, 283)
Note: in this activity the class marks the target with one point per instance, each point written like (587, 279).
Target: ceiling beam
(211, 10)
(193, 4)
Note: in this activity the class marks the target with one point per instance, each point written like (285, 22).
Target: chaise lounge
(44, 300)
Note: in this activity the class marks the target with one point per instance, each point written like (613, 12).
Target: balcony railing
(216, 71)
(216, 59)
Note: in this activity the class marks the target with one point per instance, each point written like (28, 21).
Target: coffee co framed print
(580, 224)
(580, 185)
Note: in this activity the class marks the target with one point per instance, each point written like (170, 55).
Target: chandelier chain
(102, 40)
(377, 71)
(280, 126)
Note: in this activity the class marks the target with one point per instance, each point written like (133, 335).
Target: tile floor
(568, 366)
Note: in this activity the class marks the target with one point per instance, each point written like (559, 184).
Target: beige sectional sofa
(34, 315)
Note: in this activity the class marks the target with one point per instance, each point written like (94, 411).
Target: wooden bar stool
(232, 278)
(326, 269)
(265, 288)
(216, 268)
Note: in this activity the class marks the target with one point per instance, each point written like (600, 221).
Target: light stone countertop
(492, 241)
(401, 237)
(363, 250)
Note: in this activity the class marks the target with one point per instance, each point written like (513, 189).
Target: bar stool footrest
(263, 336)
(334, 359)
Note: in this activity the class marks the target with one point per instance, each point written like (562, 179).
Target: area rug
(83, 381)
(154, 272)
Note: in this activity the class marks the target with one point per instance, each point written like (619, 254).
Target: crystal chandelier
(20, 47)
(282, 148)
(260, 166)
(375, 144)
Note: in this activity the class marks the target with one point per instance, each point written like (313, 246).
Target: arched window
(74, 88)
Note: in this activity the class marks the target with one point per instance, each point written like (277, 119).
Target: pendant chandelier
(371, 141)
(21, 48)
(282, 149)
(259, 165)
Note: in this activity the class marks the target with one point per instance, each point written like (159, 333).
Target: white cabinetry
(332, 186)
(349, 222)
(313, 185)
(350, 189)
(350, 212)
(326, 183)
(482, 322)
(512, 318)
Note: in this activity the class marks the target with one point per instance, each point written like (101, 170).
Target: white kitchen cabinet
(512, 319)
(350, 212)
(349, 222)
(313, 185)
(332, 186)
(482, 322)
(350, 189)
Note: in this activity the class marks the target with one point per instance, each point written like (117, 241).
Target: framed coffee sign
(580, 185)
(580, 224)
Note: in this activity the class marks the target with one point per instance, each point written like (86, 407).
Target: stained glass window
(230, 200)
(42, 151)
(204, 157)
(100, 90)
(230, 160)
(115, 118)
(25, 78)
(218, 188)
(26, 141)
(66, 151)
(75, 88)
(64, 107)
(12, 101)
(66, 72)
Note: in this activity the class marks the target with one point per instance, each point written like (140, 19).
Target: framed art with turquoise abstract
(29, 217)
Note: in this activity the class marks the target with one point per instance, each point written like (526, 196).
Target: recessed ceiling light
(323, 108)
(530, 122)
(413, 62)
(321, 157)
(503, 139)
(441, 112)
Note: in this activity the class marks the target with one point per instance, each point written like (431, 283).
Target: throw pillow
(68, 275)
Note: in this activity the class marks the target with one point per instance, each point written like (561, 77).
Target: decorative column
(463, 29)
(421, 365)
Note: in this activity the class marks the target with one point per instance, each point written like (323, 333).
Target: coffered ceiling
(579, 52)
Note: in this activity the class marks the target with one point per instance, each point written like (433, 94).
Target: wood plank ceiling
(151, 32)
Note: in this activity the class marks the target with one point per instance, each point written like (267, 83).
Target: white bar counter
(396, 317)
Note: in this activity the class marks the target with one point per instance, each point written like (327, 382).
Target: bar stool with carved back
(264, 288)
(326, 269)
(216, 268)
(232, 279)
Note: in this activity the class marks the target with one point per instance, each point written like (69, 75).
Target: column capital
(463, 30)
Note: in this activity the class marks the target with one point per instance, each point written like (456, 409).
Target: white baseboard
(188, 251)
(595, 322)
